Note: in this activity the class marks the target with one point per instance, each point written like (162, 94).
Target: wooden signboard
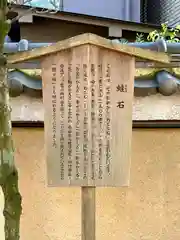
(88, 93)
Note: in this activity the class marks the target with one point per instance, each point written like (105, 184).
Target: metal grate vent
(160, 11)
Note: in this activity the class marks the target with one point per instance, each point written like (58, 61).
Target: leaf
(176, 40)
(153, 36)
(178, 27)
(139, 37)
(164, 27)
(171, 35)
(123, 40)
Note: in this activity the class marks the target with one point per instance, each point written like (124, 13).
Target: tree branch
(36, 10)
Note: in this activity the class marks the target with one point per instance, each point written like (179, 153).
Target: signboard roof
(92, 39)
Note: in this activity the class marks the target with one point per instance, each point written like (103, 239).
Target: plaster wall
(153, 107)
(149, 209)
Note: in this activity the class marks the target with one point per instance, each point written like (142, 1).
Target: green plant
(123, 40)
(166, 33)
(140, 37)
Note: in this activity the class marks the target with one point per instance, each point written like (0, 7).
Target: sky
(43, 3)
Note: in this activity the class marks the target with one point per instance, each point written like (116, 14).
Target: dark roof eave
(95, 18)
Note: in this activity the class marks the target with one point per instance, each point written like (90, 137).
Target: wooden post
(88, 213)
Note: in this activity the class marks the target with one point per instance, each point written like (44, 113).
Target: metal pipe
(127, 10)
(61, 5)
(173, 47)
(23, 45)
(160, 45)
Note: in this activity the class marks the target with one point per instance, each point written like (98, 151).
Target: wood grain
(97, 117)
(88, 213)
(88, 38)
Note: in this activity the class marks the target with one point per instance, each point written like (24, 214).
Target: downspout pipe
(61, 5)
(127, 10)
